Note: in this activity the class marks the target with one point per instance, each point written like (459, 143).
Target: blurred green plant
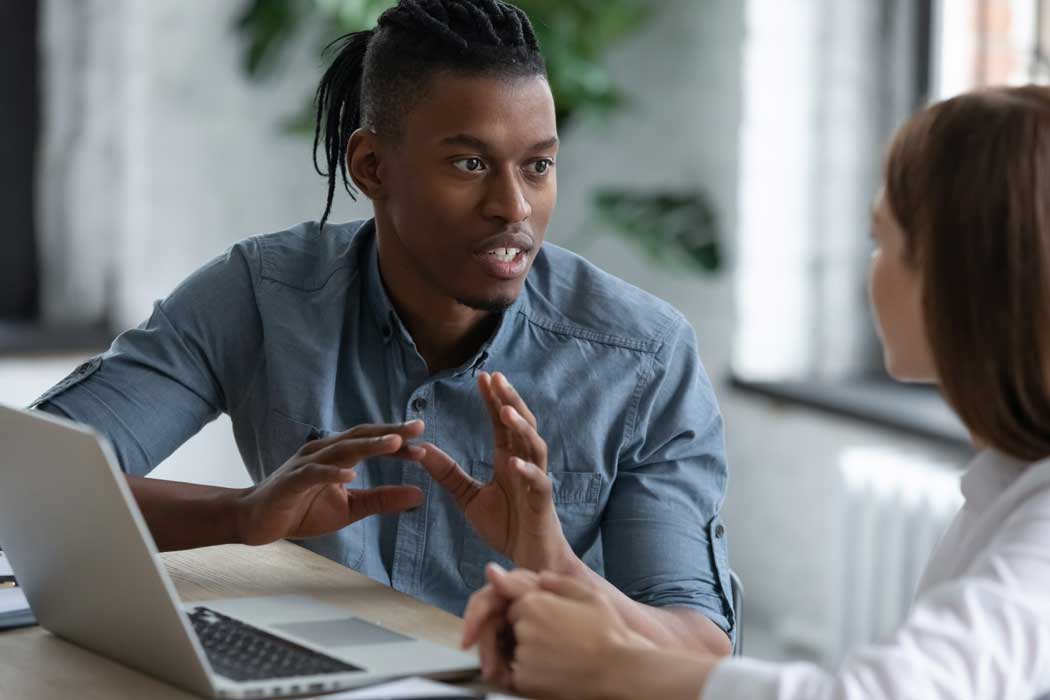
(676, 229)
(575, 36)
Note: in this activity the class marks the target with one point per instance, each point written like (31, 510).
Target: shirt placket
(411, 536)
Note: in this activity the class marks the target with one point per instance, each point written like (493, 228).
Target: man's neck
(446, 332)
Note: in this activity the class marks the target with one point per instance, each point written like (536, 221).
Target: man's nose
(506, 199)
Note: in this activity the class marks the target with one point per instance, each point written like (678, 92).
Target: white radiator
(895, 509)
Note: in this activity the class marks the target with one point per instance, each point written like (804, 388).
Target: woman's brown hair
(968, 180)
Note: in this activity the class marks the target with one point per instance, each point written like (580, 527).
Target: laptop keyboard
(241, 652)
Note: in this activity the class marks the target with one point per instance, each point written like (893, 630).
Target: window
(825, 86)
(815, 129)
(989, 42)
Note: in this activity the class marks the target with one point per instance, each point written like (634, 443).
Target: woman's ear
(362, 163)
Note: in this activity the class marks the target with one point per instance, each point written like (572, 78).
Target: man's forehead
(484, 111)
(483, 145)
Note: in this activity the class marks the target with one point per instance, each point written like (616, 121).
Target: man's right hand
(307, 496)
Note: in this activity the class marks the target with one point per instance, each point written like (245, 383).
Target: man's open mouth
(505, 254)
(504, 263)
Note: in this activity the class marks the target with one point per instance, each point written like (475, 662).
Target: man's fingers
(444, 470)
(566, 586)
(539, 493)
(529, 444)
(408, 431)
(507, 394)
(505, 435)
(385, 499)
(349, 451)
(307, 476)
(485, 388)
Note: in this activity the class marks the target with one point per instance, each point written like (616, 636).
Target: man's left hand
(514, 513)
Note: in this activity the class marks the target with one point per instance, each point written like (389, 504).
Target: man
(442, 116)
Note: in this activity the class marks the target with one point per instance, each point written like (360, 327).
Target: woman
(960, 285)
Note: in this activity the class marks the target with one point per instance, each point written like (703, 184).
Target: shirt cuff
(740, 678)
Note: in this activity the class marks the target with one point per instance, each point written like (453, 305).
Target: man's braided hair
(377, 74)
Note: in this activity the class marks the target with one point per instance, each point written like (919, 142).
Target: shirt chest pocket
(577, 498)
(284, 437)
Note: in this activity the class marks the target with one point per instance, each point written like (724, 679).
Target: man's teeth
(505, 254)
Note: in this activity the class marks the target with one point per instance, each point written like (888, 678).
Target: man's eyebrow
(466, 140)
(482, 147)
(544, 145)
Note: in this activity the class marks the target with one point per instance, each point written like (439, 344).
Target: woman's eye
(469, 165)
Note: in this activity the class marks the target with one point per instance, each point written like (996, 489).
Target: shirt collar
(990, 473)
(494, 348)
(389, 324)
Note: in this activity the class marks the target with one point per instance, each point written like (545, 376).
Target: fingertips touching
(387, 444)
(412, 428)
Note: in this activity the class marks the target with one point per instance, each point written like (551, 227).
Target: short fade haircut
(968, 180)
(378, 74)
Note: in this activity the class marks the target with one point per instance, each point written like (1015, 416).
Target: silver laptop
(88, 565)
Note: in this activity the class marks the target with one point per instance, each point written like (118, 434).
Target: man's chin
(495, 304)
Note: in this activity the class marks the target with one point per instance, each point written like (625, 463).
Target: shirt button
(386, 331)
(719, 531)
(419, 404)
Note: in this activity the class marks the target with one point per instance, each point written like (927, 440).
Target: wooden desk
(36, 664)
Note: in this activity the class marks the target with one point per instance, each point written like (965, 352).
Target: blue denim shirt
(293, 335)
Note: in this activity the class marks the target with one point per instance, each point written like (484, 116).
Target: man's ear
(363, 154)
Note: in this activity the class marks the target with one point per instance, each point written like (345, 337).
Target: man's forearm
(678, 628)
(184, 516)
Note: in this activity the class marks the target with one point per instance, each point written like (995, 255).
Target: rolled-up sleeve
(160, 383)
(664, 543)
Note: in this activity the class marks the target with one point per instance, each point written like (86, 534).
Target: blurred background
(722, 154)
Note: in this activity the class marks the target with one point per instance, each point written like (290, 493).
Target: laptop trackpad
(348, 632)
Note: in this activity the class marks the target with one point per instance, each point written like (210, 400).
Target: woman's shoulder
(1031, 491)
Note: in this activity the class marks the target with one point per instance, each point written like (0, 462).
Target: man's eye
(469, 165)
(541, 167)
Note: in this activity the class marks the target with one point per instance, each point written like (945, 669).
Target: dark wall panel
(19, 119)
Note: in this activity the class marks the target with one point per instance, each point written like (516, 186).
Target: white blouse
(980, 624)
